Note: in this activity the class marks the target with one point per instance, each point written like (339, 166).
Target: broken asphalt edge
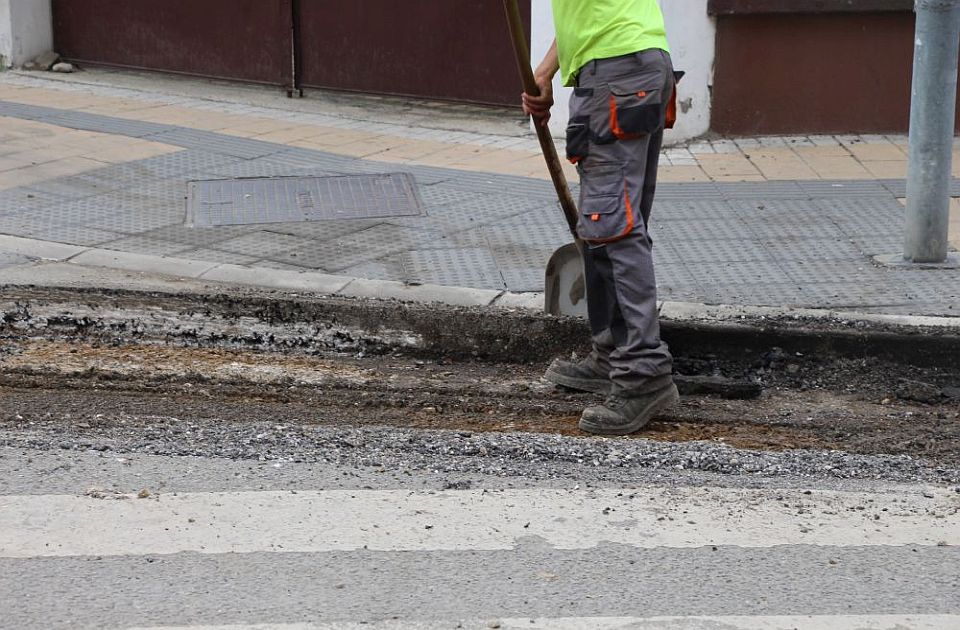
(691, 329)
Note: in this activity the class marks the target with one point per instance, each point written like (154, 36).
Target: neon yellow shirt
(597, 29)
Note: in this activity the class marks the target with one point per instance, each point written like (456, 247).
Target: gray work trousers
(614, 136)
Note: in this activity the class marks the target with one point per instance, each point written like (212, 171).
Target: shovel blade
(565, 291)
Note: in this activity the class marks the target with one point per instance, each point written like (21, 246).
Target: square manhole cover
(293, 199)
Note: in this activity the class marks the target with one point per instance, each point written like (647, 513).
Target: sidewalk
(761, 221)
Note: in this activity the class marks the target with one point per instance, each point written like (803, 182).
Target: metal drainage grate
(294, 199)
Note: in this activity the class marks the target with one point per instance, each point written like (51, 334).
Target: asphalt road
(121, 540)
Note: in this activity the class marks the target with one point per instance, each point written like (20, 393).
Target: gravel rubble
(534, 456)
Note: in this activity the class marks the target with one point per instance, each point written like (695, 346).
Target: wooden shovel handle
(543, 133)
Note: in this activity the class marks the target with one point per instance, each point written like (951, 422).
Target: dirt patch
(98, 359)
(100, 386)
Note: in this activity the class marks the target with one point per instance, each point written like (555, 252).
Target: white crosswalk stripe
(401, 520)
(729, 622)
(487, 550)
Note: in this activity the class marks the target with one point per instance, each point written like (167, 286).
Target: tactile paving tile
(855, 216)
(323, 230)
(828, 271)
(522, 268)
(106, 124)
(689, 210)
(732, 273)
(357, 247)
(689, 190)
(467, 238)
(525, 280)
(81, 120)
(262, 244)
(142, 245)
(846, 295)
(466, 267)
(217, 256)
(774, 225)
(15, 200)
(76, 186)
(715, 250)
(216, 142)
(776, 189)
(521, 187)
(706, 229)
(22, 224)
(198, 237)
(177, 165)
(760, 294)
(843, 187)
(272, 264)
(674, 277)
(290, 199)
(386, 268)
(896, 187)
(136, 219)
(870, 245)
(442, 195)
(25, 112)
(483, 210)
(536, 227)
(260, 168)
(73, 235)
(310, 158)
(422, 175)
(838, 249)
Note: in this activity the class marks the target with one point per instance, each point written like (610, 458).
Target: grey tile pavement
(806, 243)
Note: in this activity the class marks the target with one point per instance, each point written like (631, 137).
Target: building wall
(25, 30)
(691, 32)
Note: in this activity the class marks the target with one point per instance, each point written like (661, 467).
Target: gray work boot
(630, 410)
(585, 375)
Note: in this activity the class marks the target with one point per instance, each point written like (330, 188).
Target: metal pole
(932, 112)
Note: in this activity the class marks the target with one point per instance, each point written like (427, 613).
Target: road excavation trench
(96, 364)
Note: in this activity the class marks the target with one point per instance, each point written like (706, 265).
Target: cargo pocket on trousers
(606, 213)
(636, 109)
(578, 139)
(578, 129)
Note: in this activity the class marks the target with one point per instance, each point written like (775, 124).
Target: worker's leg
(618, 181)
(621, 103)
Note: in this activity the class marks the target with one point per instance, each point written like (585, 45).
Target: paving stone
(716, 250)
(457, 267)
(736, 273)
(835, 249)
(73, 235)
(323, 230)
(218, 256)
(263, 244)
(216, 143)
(335, 255)
(143, 245)
(691, 210)
(733, 228)
(386, 268)
(811, 272)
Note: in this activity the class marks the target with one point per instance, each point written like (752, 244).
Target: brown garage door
(446, 49)
(248, 40)
(806, 66)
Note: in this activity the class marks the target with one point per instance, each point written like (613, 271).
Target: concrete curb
(345, 286)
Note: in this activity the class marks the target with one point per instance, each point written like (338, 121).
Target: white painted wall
(692, 36)
(26, 30)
